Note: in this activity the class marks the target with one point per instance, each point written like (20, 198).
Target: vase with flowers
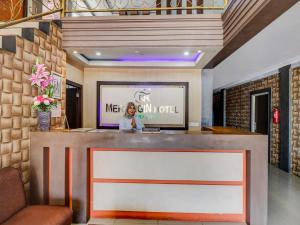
(44, 102)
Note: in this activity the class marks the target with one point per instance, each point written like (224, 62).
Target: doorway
(260, 121)
(74, 104)
(219, 108)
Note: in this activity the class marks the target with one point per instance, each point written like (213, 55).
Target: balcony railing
(141, 7)
(16, 11)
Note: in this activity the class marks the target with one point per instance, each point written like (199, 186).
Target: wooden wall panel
(238, 14)
(147, 31)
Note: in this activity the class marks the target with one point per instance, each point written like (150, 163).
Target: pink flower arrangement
(42, 79)
(43, 103)
(42, 99)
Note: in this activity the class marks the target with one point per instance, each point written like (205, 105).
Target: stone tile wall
(296, 121)
(17, 117)
(238, 108)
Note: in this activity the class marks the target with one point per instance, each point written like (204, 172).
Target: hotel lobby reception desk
(178, 176)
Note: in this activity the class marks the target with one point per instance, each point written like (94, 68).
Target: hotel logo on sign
(144, 105)
(142, 96)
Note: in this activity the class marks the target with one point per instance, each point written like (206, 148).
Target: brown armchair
(13, 208)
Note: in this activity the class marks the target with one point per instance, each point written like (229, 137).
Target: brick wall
(233, 107)
(17, 117)
(238, 108)
(296, 121)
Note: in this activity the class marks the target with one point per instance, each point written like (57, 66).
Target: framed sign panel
(159, 104)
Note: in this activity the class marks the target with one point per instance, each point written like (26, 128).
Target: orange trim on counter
(46, 175)
(204, 217)
(180, 182)
(68, 177)
(167, 150)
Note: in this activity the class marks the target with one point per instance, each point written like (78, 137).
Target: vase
(44, 120)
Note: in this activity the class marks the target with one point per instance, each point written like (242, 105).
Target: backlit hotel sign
(159, 104)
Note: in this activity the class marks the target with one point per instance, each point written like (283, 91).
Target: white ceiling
(276, 46)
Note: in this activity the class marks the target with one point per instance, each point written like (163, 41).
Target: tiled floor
(284, 198)
(284, 204)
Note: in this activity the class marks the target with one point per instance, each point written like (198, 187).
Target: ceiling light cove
(142, 57)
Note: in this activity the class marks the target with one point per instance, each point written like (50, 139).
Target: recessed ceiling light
(75, 52)
(199, 51)
(98, 53)
(186, 53)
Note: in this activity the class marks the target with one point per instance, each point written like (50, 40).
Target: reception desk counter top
(63, 169)
(227, 130)
(192, 130)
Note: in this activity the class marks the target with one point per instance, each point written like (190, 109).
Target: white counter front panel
(203, 166)
(168, 198)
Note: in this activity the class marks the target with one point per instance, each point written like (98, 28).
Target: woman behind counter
(130, 121)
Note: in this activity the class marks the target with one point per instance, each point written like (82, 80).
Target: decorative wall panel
(238, 113)
(17, 117)
(296, 121)
(238, 108)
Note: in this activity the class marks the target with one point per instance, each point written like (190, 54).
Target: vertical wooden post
(179, 4)
(63, 7)
(199, 3)
(158, 5)
(46, 175)
(68, 177)
(88, 182)
(189, 3)
(169, 5)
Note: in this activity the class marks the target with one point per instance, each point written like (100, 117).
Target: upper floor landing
(193, 32)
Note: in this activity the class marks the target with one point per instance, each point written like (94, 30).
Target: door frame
(254, 94)
(72, 83)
